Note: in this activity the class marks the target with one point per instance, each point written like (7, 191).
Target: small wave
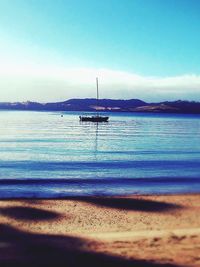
(108, 164)
(100, 181)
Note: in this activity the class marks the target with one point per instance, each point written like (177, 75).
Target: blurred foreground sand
(148, 231)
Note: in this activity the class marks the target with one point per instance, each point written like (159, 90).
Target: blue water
(45, 155)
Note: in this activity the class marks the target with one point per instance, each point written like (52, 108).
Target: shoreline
(137, 230)
(79, 197)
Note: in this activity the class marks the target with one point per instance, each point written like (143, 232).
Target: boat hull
(94, 119)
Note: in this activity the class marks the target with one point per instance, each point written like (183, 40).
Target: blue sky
(53, 50)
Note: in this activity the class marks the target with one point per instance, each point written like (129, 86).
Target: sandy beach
(148, 231)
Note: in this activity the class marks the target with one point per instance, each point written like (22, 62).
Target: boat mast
(97, 89)
(97, 93)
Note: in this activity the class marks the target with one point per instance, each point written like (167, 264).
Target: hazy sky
(52, 50)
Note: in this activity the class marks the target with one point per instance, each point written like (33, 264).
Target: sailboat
(96, 118)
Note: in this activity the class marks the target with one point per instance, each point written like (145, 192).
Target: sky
(53, 50)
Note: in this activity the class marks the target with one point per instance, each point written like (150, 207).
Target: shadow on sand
(28, 213)
(22, 249)
(132, 204)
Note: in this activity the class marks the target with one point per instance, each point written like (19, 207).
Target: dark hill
(90, 104)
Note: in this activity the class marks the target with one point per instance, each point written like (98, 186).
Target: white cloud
(47, 83)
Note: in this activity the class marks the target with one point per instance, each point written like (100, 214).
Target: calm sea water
(45, 155)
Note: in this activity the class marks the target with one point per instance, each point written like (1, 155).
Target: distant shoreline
(107, 105)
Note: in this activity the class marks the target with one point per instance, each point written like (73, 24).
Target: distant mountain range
(90, 104)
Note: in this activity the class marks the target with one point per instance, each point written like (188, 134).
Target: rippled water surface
(45, 155)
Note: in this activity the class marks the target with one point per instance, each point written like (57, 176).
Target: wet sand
(148, 231)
